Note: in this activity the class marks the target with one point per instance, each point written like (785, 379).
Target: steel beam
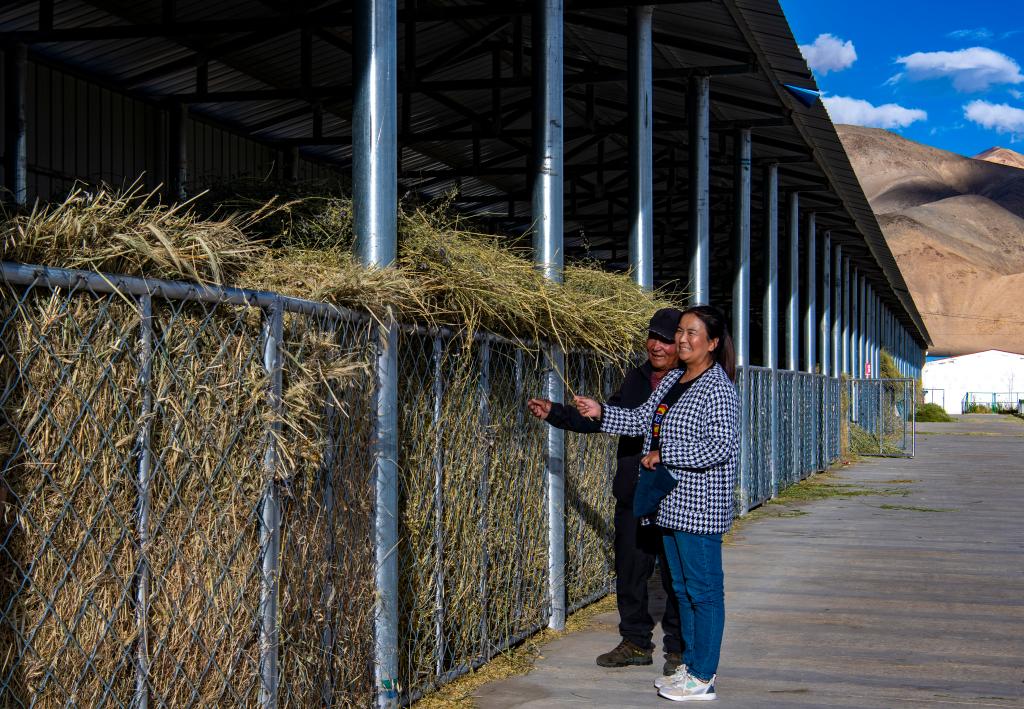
(375, 212)
(548, 255)
(699, 105)
(641, 148)
(15, 124)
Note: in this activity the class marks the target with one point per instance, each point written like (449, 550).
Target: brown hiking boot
(672, 662)
(624, 654)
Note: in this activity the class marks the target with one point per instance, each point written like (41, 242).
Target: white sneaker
(676, 677)
(692, 690)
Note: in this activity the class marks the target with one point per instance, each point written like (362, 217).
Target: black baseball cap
(664, 324)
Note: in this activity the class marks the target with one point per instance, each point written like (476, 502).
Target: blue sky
(944, 73)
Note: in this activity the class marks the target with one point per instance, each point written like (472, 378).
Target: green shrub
(932, 413)
(978, 409)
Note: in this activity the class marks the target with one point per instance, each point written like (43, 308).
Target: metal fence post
(770, 307)
(144, 460)
(438, 463)
(556, 493)
(375, 220)
(484, 487)
(880, 414)
(270, 528)
(548, 255)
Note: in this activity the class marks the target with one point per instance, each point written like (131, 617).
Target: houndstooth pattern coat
(699, 445)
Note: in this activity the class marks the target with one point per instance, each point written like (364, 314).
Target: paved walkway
(865, 601)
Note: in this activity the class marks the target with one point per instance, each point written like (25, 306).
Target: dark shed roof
(281, 73)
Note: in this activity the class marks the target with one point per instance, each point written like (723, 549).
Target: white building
(991, 377)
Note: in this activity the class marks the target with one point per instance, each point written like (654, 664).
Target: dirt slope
(956, 228)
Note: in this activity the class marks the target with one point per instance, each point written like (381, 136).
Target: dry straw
(69, 370)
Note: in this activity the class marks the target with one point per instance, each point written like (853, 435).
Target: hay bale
(209, 436)
(71, 561)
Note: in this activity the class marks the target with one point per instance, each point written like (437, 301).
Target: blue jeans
(695, 562)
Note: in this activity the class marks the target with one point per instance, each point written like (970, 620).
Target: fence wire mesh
(169, 487)
(590, 461)
(187, 504)
(882, 415)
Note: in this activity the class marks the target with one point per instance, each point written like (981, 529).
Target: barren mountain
(956, 228)
(1003, 156)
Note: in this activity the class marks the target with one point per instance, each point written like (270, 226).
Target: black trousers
(636, 549)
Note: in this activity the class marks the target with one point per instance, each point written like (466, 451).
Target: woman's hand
(541, 408)
(587, 407)
(651, 459)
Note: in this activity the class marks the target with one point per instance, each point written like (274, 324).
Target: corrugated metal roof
(249, 54)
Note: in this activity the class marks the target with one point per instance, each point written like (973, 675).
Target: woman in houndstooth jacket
(697, 439)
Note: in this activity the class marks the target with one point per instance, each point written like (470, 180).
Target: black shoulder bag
(654, 485)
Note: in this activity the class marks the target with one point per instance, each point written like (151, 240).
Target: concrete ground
(878, 600)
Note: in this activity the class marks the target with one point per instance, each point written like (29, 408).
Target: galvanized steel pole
(699, 104)
(375, 212)
(876, 333)
(270, 514)
(846, 317)
(144, 456)
(824, 336)
(770, 298)
(810, 310)
(837, 312)
(741, 276)
(862, 326)
(869, 358)
(793, 294)
(641, 142)
(770, 307)
(547, 249)
(16, 126)
(741, 300)
(793, 333)
(825, 312)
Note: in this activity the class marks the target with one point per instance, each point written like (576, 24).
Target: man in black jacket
(636, 547)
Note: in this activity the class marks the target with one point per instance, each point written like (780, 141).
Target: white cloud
(829, 53)
(977, 33)
(859, 112)
(1002, 117)
(973, 69)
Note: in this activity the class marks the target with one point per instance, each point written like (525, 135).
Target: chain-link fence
(188, 499)
(187, 512)
(882, 416)
(186, 507)
(790, 430)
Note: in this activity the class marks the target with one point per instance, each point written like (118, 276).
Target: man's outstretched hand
(541, 408)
